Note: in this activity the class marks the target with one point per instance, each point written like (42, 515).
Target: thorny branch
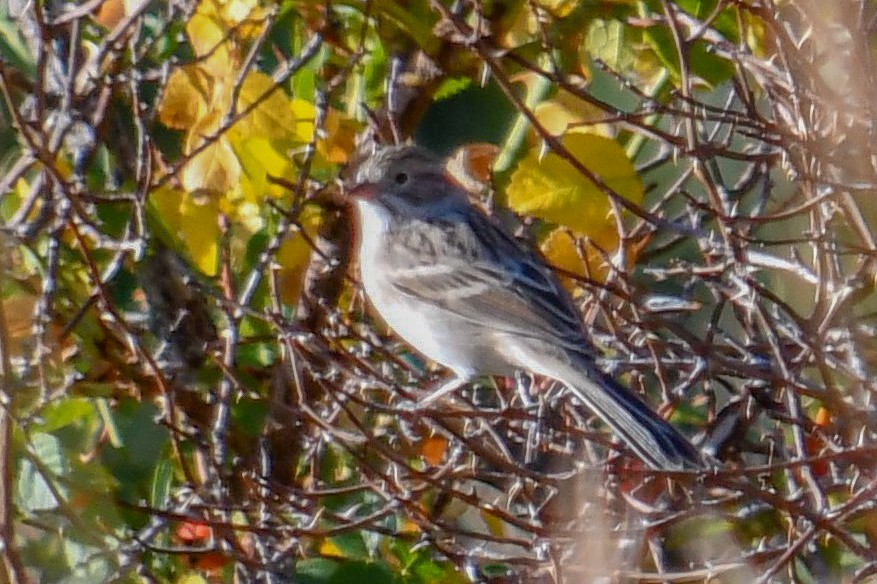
(758, 225)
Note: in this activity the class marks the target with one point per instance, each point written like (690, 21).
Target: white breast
(433, 331)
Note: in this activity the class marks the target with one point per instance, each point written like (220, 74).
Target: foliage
(193, 390)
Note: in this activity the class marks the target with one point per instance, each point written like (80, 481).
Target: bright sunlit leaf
(217, 23)
(215, 169)
(552, 189)
(186, 98)
(561, 250)
(566, 112)
(271, 117)
(259, 159)
(193, 221)
(205, 29)
(304, 113)
(339, 144)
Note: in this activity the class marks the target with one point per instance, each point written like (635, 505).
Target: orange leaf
(823, 417)
(471, 165)
(433, 449)
(193, 531)
(210, 562)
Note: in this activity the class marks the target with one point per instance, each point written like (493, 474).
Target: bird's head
(405, 180)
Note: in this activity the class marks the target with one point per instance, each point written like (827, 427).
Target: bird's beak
(364, 191)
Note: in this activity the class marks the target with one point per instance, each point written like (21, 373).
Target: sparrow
(455, 286)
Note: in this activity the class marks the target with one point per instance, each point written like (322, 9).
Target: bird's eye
(401, 178)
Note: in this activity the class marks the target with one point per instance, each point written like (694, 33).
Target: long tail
(655, 441)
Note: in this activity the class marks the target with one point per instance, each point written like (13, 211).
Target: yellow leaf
(340, 141)
(330, 549)
(185, 98)
(214, 170)
(340, 131)
(558, 8)
(206, 29)
(221, 24)
(272, 118)
(566, 111)
(191, 578)
(294, 254)
(248, 215)
(562, 250)
(194, 222)
(523, 28)
(305, 113)
(217, 169)
(167, 203)
(495, 525)
(259, 158)
(552, 189)
(11, 203)
(584, 257)
(245, 16)
(236, 11)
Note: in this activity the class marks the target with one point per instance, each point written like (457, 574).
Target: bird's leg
(446, 388)
(523, 382)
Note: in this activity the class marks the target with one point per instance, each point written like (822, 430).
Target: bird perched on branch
(456, 287)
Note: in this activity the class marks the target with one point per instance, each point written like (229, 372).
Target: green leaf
(417, 559)
(87, 562)
(13, 49)
(162, 479)
(350, 545)
(708, 66)
(62, 413)
(703, 64)
(451, 87)
(608, 41)
(316, 570)
(363, 573)
(143, 442)
(33, 490)
(249, 415)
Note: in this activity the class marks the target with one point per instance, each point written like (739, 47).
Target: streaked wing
(479, 273)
